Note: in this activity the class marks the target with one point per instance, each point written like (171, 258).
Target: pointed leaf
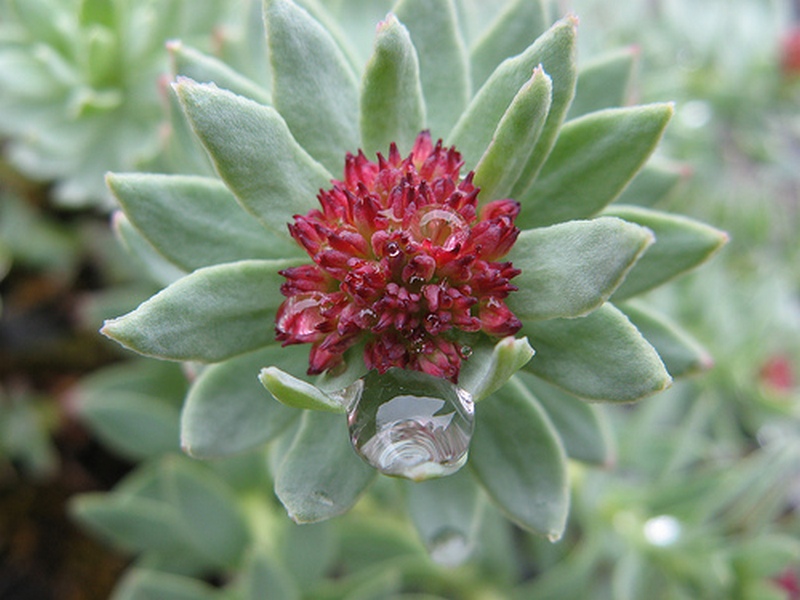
(443, 59)
(447, 515)
(227, 411)
(210, 315)
(254, 152)
(208, 510)
(297, 393)
(191, 63)
(313, 85)
(604, 82)
(132, 424)
(150, 261)
(392, 106)
(601, 356)
(657, 179)
(515, 137)
(321, 476)
(681, 353)
(681, 245)
(582, 428)
(517, 457)
(592, 161)
(491, 365)
(516, 28)
(194, 221)
(554, 52)
(571, 268)
(141, 584)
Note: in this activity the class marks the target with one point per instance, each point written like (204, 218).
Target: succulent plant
(403, 281)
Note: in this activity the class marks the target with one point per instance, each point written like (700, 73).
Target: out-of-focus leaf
(142, 584)
(604, 82)
(263, 572)
(655, 181)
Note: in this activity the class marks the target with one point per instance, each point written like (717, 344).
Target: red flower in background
(403, 259)
(790, 52)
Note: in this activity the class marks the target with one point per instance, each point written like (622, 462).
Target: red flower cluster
(403, 259)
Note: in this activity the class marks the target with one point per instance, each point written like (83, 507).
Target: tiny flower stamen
(404, 260)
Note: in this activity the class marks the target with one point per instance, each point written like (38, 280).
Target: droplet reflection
(410, 424)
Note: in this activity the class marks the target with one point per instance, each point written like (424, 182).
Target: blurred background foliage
(702, 499)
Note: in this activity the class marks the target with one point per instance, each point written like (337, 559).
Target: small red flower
(403, 259)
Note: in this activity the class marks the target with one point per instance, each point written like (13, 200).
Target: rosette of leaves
(79, 86)
(528, 135)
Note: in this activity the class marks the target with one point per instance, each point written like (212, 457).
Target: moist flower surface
(405, 259)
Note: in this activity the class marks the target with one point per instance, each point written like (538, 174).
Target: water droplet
(393, 250)
(466, 351)
(663, 530)
(449, 548)
(411, 424)
(443, 227)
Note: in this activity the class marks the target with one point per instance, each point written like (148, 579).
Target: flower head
(404, 259)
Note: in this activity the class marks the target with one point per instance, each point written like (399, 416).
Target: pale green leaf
(321, 476)
(443, 59)
(194, 221)
(313, 85)
(263, 572)
(681, 353)
(601, 357)
(209, 315)
(656, 180)
(582, 427)
(571, 268)
(297, 393)
(491, 365)
(208, 511)
(518, 458)
(200, 67)
(604, 82)
(143, 584)
(447, 515)
(135, 425)
(554, 52)
(515, 137)
(681, 245)
(392, 106)
(227, 411)
(148, 260)
(255, 154)
(592, 161)
(516, 28)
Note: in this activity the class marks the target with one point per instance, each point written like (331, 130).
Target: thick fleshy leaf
(135, 425)
(263, 572)
(200, 67)
(392, 106)
(447, 514)
(601, 357)
(255, 154)
(571, 268)
(208, 511)
(604, 82)
(583, 428)
(592, 161)
(313, 85)
(227, 411)
(516, 28)
(149, 260)
(517, 457)
(321, 476)
(490, 365)
(681, 353)
(194, 221)
(142, 584)
(309, 552)
(657, 179)
(681, 245)
(209, 315)
(554, 52)
(515, 137)
(297, 393)
(443, 59)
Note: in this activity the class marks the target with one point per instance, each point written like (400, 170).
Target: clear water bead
(410, 424)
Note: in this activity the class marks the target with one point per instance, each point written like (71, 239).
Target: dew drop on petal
(411, 424)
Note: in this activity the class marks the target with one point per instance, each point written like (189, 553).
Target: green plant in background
(79, 85)
(575, 255)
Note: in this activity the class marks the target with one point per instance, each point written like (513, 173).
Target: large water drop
(410, 424)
